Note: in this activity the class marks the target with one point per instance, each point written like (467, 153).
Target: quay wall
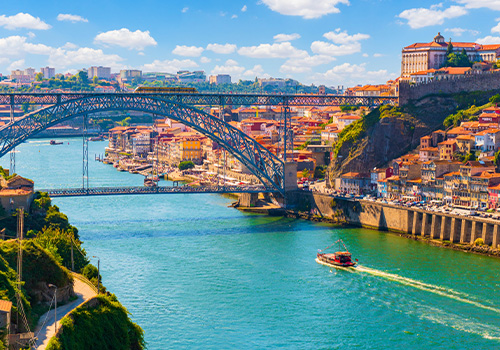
(438, 226)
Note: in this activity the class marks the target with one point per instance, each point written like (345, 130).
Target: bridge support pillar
(290, 173)
(249, 199)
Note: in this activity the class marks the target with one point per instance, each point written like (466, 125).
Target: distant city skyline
(331, 42)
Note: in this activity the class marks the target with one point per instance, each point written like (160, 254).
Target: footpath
(45, 331)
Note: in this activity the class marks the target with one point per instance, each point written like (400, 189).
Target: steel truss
(207, 99)
(262, 163)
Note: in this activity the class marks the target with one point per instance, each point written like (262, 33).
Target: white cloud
(378, 55)
(31, 35)
(16, 46)
(19, 64)
(366, 55)
(307, 9)
(137, 40)
(351, 74)
(277, 50)
(234, 16)
(489, 40)
(422, 17)
(71, 18)
(475, 4)
(302, 65)
(170, 66)
(185, 9)
(140, 53)
(286, 37)
(222, 49)
(69, 46)
(23, 20)
(205, 60)
(461, 31)
(496, 29)
(84, 56)
(188, 51)
(343, 38)
(232, 69)
(324, 48)
(256, 71)
(244, 8)
(344, 44)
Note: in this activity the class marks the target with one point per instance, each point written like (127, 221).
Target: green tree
(186, 165)
(95, 80)
(495, 99)
(449, 50)
(39, 76)
(124, 122)
(497, 158)
(83, 77)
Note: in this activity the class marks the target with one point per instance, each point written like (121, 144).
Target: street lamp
(98, 268)
(55, 306)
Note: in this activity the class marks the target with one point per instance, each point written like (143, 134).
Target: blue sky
(332, 42)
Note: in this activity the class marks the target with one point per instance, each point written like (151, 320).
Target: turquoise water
(197, 274)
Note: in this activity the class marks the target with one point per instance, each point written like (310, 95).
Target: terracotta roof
(5, 305)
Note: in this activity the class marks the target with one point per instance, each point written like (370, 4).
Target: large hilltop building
(424, 56)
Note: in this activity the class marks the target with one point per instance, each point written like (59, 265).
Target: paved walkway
(83, 292)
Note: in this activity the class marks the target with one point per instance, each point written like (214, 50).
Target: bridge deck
(115, 191)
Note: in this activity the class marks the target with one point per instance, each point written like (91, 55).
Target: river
(196, 274)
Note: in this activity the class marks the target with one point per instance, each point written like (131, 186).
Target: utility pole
(72, 261)
(20, 237)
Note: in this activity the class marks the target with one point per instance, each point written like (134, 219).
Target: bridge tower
(85, 144)
(12, 168)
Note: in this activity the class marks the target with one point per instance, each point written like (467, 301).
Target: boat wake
(442, 291)
(438, 290)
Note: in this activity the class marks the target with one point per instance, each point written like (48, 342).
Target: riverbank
(336, 212)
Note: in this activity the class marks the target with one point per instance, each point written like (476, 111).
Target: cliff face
(396, 132)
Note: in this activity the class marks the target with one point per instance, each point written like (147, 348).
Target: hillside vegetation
(389, 132)
(103, 326)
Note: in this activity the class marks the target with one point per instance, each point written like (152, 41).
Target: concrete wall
(438, 226)
(474, 82)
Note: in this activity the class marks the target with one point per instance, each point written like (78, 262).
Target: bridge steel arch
(262, 163)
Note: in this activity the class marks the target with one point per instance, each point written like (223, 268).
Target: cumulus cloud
(277, 50)
(475, 4)
(19, 64)
(351, 74)
(185, 9)
(222, 49)
(23, 20)
(307, 9)
(256, 71)
(169, 65)
(83, 56)
(422, 17)
(231, 67)
(244, 8)
(496, 29)
(339, 37)
(205, 60)
(16, 46)
(188, 51)
(343, 43)
(137, 40)
(71, 18)
(302, 65)
(286, 37)
(69, 46)
(461, 31)
(487, 40)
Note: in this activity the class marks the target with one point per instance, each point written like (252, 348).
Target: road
(83, 292)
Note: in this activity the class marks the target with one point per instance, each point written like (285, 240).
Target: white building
(424, 56)
(220, 79)
(99, 72)
(30, 72)
(48, 72)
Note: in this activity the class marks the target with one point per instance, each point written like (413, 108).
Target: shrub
(186, 165)
(479, 242)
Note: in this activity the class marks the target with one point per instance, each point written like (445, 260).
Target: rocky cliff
(389, 132)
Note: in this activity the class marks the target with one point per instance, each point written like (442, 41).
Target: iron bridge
(55, 108)
(107, 191)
